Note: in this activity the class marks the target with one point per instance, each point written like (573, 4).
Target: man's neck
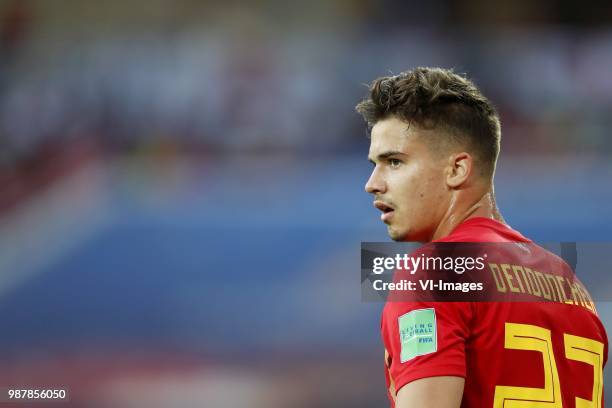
(456, 214)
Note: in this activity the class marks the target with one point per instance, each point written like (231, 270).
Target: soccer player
(434, 145)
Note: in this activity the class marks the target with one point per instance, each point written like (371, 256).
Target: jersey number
(535, 338)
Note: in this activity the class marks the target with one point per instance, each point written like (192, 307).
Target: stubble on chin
(394, 234)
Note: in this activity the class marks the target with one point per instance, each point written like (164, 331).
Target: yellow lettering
(531, 338)
(554, 285)
(516, 269)
(560, 282)
(533, 282)
(501, 286)
(505, 268)
(591, 352)
(543, 285)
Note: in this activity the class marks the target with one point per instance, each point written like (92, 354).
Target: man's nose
(376, 184)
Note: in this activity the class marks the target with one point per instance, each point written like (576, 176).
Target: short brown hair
(436, 98)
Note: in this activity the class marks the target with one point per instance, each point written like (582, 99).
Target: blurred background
(181, 182)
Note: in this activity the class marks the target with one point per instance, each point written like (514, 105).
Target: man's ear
(459, 169)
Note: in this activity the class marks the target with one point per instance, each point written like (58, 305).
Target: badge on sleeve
(418, 333)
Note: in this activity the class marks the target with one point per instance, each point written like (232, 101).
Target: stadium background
(181, 183)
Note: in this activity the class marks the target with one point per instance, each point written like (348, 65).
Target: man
(434, 145)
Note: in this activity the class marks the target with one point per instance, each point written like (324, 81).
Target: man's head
(434, 143)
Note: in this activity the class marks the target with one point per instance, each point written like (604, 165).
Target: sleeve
(425, 339)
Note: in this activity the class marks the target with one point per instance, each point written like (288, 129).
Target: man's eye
(395, 163)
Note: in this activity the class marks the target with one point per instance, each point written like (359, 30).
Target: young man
(434, 146)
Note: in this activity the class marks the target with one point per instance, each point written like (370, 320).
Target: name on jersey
(521, 279)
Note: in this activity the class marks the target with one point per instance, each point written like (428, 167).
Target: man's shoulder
(480, 229)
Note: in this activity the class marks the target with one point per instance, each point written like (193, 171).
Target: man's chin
(403, 235)
(396, 235)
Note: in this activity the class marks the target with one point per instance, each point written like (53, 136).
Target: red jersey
(511, 354)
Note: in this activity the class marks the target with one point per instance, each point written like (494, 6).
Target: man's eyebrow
(387, 154)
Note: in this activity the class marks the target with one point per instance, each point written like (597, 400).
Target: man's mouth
(387, 210)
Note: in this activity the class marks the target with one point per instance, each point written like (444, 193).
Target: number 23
(535, 338)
